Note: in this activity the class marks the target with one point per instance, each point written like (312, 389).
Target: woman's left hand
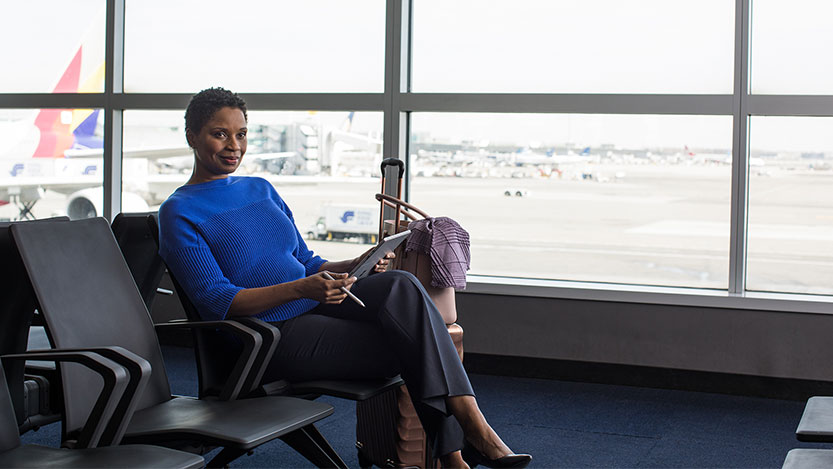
(382, 265)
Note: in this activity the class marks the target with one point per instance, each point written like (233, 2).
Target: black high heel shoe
(473, 457)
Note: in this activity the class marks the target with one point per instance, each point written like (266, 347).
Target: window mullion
(397, 71)
(113, 124)
(740, 147)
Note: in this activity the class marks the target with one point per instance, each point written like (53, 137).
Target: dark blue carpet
(566, 424)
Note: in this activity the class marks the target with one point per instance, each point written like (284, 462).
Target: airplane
(65, 146)
(527, 157)
(342, 141)
(708, 158)
(65, 149)
(66, 157)
(721, 159)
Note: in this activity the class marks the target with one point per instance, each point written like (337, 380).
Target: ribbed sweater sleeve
(199, 275)
(224, 236)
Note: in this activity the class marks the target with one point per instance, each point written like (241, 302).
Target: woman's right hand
(317, 287)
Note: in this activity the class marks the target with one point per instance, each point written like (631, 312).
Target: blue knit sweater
(222, 236)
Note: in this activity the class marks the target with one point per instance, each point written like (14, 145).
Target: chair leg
(311, 444)
(225, 456)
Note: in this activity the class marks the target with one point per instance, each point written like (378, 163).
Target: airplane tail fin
(348, 122)
(62, 129)
(55, 134)
(85, 132)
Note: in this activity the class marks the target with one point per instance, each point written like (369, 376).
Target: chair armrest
(116, 379)
(252, 343)
(271, 335)
(139, 372)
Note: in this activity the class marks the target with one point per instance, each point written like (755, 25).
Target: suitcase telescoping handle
(394, 161)
(385, 163)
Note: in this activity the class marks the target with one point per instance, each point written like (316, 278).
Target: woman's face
(220, 145)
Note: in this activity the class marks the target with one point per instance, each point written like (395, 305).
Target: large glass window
(50, 163)
(255, 45)
(58, 52)
(605, 198)
(625, 198)
(791, 205)
(791, 47)
(573, 46)
(324, 164)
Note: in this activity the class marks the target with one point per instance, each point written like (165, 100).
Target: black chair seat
(804, 458)
(127, 456)
(816, 423)
(244, 424)
(353, 390)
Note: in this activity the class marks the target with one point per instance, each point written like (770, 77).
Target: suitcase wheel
(363, 461)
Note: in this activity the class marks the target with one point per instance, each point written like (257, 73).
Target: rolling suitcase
(388, 431)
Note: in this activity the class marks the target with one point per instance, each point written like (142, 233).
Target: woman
(232, 243)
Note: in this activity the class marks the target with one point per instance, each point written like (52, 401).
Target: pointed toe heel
(473, 457)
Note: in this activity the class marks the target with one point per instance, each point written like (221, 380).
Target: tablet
(390, 243)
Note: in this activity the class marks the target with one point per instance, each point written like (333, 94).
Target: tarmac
(665, 225)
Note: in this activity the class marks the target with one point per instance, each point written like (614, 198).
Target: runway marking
(717, 229)
(622, 252)
(646, 254)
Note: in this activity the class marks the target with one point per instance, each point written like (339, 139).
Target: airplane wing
(61, 184)
(263, 157)
(147, 153)
(27, 189)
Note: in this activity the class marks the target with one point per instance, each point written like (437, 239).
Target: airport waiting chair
(216, 362)
(816, 424)
(806, 458)
(13, 454)
(89, 299)
(33, 388)
(139, 247)
(130, 230)
(215, 352)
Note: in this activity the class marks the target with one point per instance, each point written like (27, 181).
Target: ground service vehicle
(346, 221)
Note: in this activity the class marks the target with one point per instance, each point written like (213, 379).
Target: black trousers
(399, 331)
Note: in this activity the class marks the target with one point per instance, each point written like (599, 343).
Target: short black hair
(204, 104)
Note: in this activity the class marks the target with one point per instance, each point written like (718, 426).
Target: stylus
(352, 296)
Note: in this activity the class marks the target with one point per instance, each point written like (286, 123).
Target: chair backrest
(16, 310)
(139, 250)
(215, 351)
(9, 437)
(88, 299)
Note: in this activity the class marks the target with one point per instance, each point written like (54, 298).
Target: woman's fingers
(382, 265)
(336, 297)
(333, 285)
